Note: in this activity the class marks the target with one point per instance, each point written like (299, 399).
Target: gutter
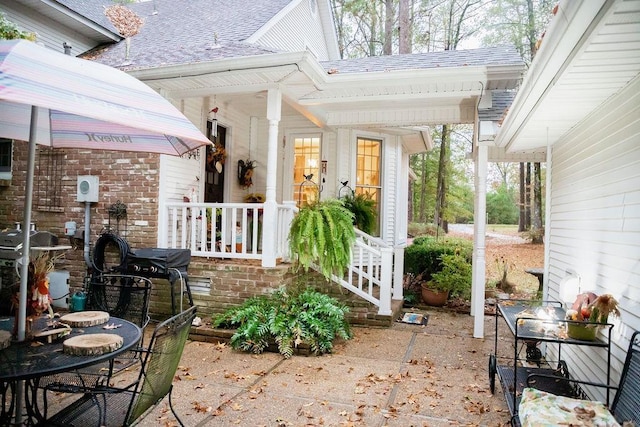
(559, 47)
(83, 20)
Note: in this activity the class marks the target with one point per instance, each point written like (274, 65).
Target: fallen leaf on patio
(360, 410)
(199, 386)
(201, 408)
(254, 392)
(343, 413)
(476, 408)
(359, 390)
(236, 407)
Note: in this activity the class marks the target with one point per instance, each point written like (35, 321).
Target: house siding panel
(297, 31)
(595, 222)
(51, 35)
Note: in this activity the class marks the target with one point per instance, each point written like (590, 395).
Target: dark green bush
(287, 318)
(454, 277)
(424, 255)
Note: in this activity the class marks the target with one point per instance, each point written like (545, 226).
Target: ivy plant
(322, 233)
(287, 318)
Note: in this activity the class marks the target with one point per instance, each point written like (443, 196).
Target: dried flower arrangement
(38, 297)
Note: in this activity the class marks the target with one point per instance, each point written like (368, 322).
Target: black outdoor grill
(162, 263)
(10, 253)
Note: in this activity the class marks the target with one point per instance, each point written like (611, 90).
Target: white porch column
(269, 217)
(398, 272)
(479, 230)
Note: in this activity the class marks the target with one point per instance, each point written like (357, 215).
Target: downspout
(87, 234)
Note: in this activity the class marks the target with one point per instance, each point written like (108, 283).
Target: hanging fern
(364, 211)
(322, 234)
(288, 319)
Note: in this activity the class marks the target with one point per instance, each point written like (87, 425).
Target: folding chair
(111, 406)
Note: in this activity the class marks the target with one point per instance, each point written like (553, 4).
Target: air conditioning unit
(87, 188)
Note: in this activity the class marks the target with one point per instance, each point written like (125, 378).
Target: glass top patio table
(31, 359)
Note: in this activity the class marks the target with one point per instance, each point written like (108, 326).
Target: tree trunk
(389, 19)
(423, 190)
(527, 197)
(521, 205)
(441, 195)
(404, 21)
(536, 223)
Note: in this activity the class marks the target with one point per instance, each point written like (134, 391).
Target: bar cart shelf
(531, 323)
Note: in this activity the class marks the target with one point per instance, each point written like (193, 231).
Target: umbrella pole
(26, 226)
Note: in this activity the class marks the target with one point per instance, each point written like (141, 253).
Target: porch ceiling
(590, 52)
(377, 100)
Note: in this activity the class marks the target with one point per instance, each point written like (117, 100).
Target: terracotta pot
(432, 297)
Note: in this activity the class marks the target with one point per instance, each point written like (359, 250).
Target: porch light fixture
(570, 286)
(214, 122)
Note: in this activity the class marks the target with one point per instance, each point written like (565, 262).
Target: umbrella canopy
(88, 105)
(57, 100)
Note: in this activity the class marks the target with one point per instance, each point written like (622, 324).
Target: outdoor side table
(537, 321)
(27, 361)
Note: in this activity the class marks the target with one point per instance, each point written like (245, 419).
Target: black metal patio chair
(626, 405)
(120, 295)
(111, 406)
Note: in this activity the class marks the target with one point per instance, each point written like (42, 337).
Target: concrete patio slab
(406, 375)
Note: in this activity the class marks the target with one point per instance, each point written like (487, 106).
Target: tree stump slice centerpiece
(92, 345)
(84, 319)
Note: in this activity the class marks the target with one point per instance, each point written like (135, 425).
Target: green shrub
(454, 277)
(424, 255)
(288, 319)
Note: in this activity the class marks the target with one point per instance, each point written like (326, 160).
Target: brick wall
(131, 178)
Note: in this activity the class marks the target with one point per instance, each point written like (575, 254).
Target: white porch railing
(370, 274)
(234, 230)
(223, 230)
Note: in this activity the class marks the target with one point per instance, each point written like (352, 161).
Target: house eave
(590, 52)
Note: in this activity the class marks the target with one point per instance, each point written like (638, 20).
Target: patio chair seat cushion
(539, 408)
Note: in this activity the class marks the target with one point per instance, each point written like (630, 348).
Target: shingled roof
(189, 31)
(501, 100)
(501, 55)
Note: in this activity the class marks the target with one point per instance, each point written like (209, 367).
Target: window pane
(5, 155)
(306, 168)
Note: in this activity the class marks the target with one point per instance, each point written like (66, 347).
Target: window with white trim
(368, 170)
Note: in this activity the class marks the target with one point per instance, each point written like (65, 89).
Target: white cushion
(539, 408)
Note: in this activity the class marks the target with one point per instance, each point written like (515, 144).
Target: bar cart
(531, 323)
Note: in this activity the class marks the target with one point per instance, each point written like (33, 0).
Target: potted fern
(322, 234)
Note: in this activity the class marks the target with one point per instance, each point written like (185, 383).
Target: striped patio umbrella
(56, 100)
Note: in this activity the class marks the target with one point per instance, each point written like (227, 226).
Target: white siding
(49, 32)
(297, 31)
(595, 221)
